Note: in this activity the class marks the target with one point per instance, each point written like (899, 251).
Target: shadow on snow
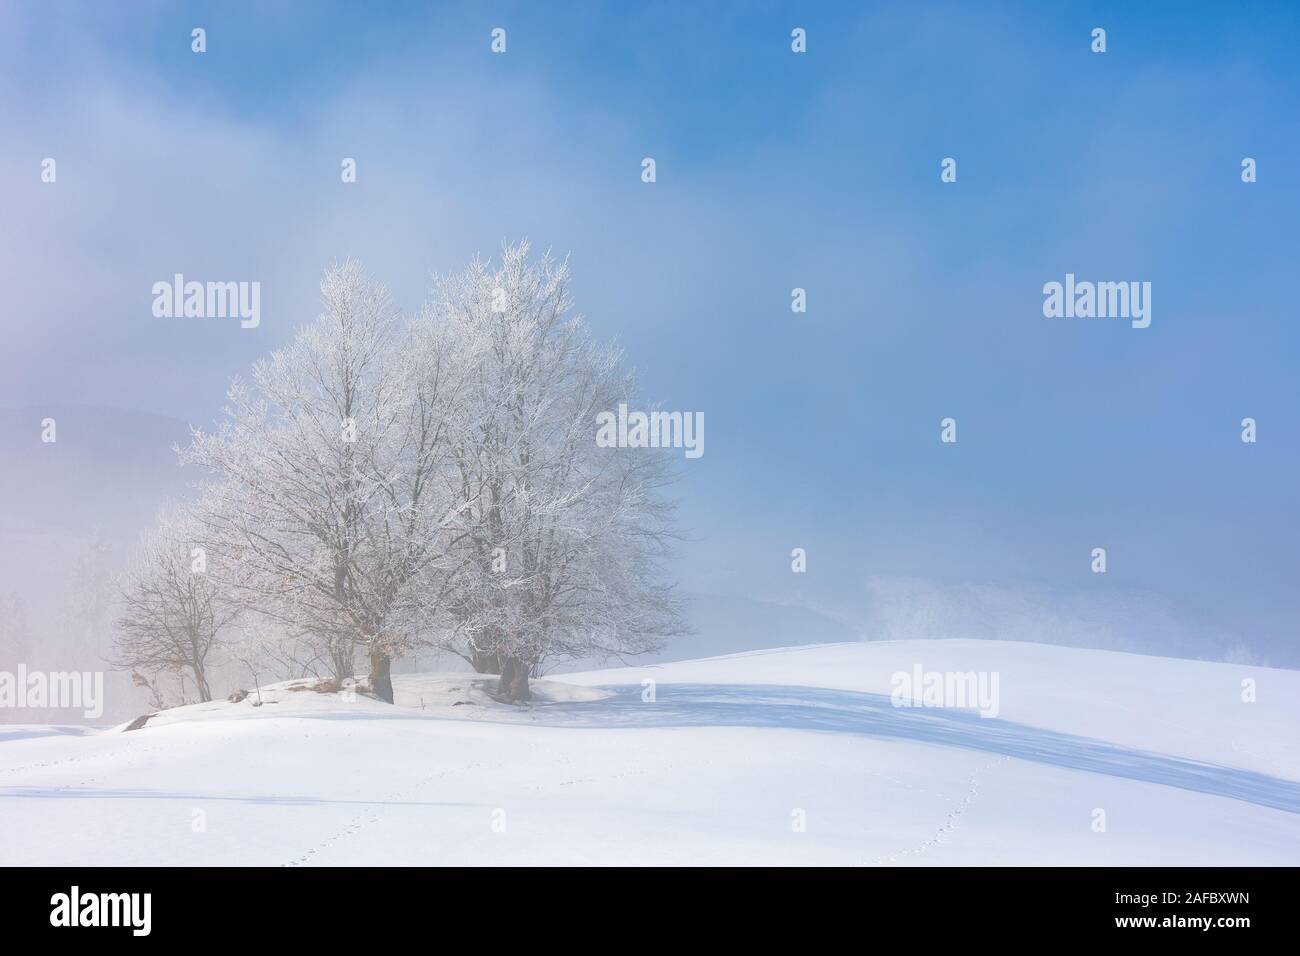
(874, 715)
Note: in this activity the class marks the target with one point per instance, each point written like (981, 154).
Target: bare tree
(171, 615)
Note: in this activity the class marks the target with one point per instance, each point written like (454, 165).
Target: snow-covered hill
(786, 756)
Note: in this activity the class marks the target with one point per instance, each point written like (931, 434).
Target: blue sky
(774, 171)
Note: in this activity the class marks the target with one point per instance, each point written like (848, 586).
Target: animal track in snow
(950, 822)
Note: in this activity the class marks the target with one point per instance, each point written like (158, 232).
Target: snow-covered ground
(786, 756)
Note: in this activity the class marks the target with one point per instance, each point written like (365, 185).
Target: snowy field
(785, 756)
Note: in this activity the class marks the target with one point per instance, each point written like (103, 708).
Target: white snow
(732, 753)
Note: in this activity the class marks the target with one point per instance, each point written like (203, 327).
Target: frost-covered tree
(379, 483)
(328, 502)
(560, 544)
(171, 615)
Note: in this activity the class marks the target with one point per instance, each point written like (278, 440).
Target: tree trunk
(381, 681)
(513, 685)
(507, 677)
(201, 682)
(198, 666)
(485, 663)
(519, 690)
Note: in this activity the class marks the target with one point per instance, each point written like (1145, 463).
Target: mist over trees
(385, 483)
